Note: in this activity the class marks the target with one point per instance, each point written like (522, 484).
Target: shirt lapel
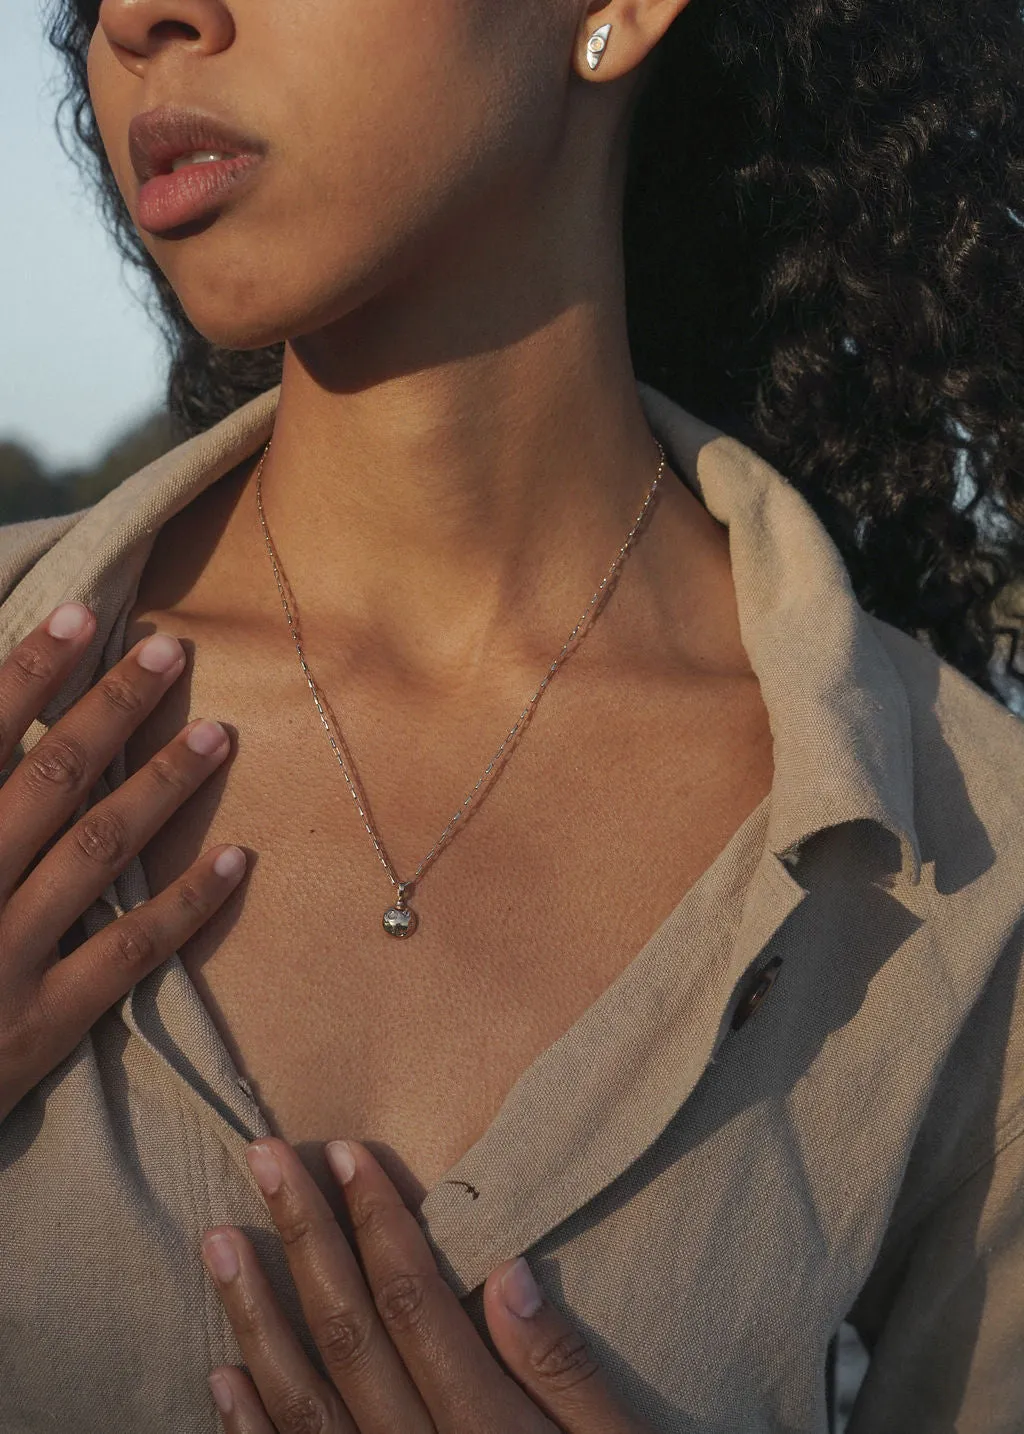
(591, 1104)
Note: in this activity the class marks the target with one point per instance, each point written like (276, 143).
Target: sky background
(79, 361)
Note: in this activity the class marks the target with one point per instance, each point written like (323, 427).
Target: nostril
(174, 30)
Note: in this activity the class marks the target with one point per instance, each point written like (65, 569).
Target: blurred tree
(28, 490)
(139, 446)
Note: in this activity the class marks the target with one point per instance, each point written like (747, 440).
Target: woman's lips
(169, 200)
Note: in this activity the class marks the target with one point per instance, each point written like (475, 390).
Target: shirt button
(750, 1001)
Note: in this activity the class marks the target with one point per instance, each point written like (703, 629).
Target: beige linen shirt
(710, 1169)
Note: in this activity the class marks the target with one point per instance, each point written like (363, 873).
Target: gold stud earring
(596, 46)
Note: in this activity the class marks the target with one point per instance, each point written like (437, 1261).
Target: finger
(238, 1402)
(50, 781)
(452, 1368)
(358, 1355)
(74, 993)
(293, 1393)
(36, 669)
(100, 845)
(550, 1357)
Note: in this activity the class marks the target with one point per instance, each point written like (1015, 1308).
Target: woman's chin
(246, 339)
(239, 328)
(254, 315)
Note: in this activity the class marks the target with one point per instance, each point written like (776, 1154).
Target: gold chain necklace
(400, 919)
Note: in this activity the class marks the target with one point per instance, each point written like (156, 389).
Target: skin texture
(435, 231)
(459, 452)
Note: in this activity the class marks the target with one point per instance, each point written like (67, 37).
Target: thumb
(550, 1358)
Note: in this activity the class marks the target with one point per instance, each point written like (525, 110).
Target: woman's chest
(558, 873)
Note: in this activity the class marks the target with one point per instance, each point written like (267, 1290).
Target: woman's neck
(474, 502)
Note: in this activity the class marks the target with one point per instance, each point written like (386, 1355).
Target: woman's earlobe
(636, 31)
(633, 34)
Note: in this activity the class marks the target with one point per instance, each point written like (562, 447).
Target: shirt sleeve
(942, 1314)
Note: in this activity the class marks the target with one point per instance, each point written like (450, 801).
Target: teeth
(201, 156)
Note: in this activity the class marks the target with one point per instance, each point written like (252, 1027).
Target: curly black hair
(824, 241)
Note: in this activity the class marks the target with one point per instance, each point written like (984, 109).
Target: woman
(707, 998)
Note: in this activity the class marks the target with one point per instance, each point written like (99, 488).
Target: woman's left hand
(402, 1354)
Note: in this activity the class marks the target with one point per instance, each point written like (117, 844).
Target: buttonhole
(760, 984)
(471, 1188)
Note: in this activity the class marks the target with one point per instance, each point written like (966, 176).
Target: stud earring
(596, 46)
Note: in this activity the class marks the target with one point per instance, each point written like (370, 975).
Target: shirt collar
(838, 711)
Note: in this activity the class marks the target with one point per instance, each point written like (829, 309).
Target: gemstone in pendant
(399, 921)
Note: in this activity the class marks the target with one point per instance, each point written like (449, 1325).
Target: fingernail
(221, 1391)
(340, 1159)
(231, 863)
(266, 1171)
(205, 737)
(68, 620)
(219, 1253)
(159, 653)
(519, 1290)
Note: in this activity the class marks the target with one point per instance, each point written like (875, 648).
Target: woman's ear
(616, 36)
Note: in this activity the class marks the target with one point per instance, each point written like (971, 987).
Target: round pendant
(399, 921)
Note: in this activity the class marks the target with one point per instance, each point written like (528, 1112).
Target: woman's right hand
(47, 1004)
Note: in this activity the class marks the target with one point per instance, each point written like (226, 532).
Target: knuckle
(31, 665)
(566, 1363)
(370, 1218)
(119, 694)
(164, 774)
(300, 1413)
(401, 1301)
(344, 1339)
(102, 837)
(56, 762)
(294, 1228)
(190, 899)
(247, 1318)
(130, 944)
